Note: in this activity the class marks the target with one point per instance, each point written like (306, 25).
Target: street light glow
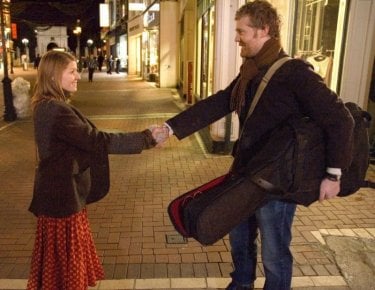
(77, 31)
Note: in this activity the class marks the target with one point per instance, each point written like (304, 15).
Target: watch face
(333, 177)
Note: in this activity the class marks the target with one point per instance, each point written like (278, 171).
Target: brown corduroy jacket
(73, 166)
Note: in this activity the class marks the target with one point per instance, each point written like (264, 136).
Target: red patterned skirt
(64, 255)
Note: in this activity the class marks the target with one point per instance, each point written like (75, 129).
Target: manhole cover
(176, 239)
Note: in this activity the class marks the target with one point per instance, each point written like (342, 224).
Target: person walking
(109, 64)
(92, 65)
(72, 172)
(294, 90)
(100, 61)
(118, 65)
(37, 61)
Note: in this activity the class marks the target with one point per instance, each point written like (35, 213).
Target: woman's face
(70, 77)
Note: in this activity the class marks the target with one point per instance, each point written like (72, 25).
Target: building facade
(189, 45)
(114, 34)
(154, 41)
(56, 35)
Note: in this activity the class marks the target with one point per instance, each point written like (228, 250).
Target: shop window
(204, 56)
(207, 53)
(320, 36)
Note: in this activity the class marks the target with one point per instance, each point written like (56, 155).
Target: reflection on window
(207, 52)
(319, 36)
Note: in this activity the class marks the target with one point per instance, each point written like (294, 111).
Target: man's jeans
(274, 221)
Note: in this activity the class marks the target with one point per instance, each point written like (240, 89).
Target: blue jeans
(274, 221)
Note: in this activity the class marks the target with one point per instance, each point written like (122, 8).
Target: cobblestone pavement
(136, 241)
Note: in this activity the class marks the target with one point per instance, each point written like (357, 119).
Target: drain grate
(175, 239)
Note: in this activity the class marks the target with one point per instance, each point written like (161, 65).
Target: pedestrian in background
(100, 61)
(109, 64)
(37, 61)
(72, 171)
(118, 65)
(92, 65)
(294, 90)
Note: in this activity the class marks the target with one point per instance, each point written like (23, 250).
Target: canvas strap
(267, 77)
(275, 66)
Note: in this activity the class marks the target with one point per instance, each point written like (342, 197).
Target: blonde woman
(72, 172)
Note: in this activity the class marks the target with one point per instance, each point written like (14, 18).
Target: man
(100, 61)
(92, 65)
(294, 90)
(109, 64)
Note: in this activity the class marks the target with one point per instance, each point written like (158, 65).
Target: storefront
(143, 50)
(150, 47)
(205, 48)
(217, 62)
(135, 30)
(336, 36)
(122, 52)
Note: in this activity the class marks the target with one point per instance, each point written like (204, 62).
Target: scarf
(250, 68)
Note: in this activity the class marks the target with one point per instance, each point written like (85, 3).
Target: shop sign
(104, 14)
(135, 26)
(14, 30)
(151, 19)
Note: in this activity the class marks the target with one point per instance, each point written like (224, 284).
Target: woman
(72, 171)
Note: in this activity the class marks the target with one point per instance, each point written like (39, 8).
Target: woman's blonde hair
(48, 82)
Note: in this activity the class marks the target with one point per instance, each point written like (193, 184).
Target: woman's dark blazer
(73, 167)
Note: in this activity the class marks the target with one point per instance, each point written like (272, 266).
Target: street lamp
(25, 42)
(25, 59)
(89, 44)
(77, 31)
(9, 111)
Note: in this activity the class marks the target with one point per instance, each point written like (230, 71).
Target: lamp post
(25, 60)
(77, 31)
(9, 111)
(89, 45)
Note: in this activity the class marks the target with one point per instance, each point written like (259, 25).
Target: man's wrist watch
(333, 177)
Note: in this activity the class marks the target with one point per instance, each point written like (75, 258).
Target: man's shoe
(234, 286)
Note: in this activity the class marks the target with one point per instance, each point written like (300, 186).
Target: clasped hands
(160, 133)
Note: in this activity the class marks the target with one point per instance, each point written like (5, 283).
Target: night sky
(30, 14)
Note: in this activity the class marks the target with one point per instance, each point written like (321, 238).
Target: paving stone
(187, 270)
(130, 224)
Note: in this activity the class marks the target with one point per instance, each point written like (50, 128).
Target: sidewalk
(136, 241)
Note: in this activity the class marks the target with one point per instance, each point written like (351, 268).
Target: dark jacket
(73, 167)
(294, 90)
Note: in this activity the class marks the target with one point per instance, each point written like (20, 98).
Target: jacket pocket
(82, 184)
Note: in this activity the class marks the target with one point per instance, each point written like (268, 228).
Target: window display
(319, 36)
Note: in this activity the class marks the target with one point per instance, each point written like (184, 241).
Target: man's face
(249, 38)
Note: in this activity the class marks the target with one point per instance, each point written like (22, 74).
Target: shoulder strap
(275, 66)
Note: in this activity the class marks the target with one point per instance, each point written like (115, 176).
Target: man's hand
(160, 134)
(329, 189)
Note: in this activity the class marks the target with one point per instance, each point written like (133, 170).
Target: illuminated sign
(104, 15)
(14, 30)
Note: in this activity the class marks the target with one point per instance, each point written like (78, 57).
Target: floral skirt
(64, 255)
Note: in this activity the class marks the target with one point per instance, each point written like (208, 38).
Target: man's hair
(50, 70)
(261, 13)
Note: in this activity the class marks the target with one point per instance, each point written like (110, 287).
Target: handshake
(160, 133)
